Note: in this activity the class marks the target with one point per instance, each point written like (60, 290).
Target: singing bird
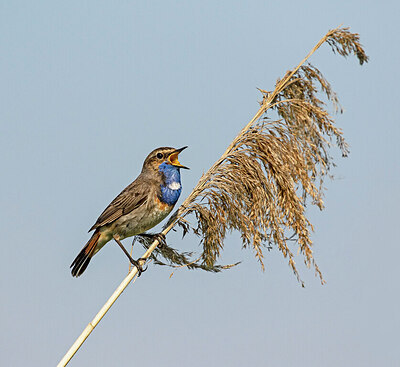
(139, 207)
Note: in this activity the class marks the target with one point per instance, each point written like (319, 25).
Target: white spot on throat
(174, 186)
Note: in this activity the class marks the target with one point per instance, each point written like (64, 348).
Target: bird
(139, 207)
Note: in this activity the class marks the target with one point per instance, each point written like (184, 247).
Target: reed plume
(261, 185)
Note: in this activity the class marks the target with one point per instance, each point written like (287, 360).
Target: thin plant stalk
(269, 101)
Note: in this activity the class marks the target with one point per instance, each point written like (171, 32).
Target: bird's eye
(160, 155)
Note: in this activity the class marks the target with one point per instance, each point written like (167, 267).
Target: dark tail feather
(81, 262)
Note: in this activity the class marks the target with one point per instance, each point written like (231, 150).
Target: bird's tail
(81, 262)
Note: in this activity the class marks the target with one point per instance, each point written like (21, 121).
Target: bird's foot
(160, 237)
(138, 265)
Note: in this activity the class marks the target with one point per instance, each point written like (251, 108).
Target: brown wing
(131, 198)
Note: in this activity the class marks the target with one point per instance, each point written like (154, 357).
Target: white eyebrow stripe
(174, 186)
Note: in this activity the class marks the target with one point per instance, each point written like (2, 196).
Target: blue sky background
(89, 88)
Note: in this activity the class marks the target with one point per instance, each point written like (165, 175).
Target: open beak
(173, 158)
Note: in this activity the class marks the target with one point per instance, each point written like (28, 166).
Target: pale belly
(133, 224)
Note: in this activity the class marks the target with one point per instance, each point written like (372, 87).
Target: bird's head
(162, 155)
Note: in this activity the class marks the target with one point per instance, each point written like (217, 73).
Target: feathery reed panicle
(271, 170)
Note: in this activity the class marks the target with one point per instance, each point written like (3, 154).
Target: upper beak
(173, 158)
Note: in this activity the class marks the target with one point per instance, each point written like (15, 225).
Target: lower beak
(173, 158)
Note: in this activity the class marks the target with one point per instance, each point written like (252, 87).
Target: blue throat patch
(171, 190)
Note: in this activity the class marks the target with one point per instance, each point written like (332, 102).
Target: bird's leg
(160, 237)
(133, 262)
(133, 243)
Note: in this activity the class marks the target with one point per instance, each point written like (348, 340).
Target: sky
(89, 88)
